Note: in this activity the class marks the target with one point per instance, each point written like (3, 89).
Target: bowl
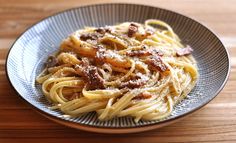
(27, 55)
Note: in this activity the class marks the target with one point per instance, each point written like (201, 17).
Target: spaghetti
(129, 69)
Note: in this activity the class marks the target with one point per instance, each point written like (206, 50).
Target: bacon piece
(144, 95)
(135, 82)
(144, 53)
(184, 51)
(87, 36)
(103, 30)
(51, 62)
(132, 30)
(137, 53)
(157, 63)
(94, 80)
(132, 84)
(90, 74)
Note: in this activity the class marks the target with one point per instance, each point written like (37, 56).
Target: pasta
(128, 69)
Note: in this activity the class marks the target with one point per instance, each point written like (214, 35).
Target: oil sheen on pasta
(129, 69)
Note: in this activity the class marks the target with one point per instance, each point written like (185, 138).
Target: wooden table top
(216, 122)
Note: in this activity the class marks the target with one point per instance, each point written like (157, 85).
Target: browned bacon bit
(102, 30)
(137, 53)
(132, 30)
(94, 80)
(144, 53)
(132, 84)
(184, 51)
(90, 73)
(89, 36)
(157, 63)
(52, 61)
(142, 96)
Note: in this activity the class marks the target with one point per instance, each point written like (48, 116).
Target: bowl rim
(52, 117)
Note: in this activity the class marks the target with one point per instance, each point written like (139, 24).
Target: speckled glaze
(29, 52)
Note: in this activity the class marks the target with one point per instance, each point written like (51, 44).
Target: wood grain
(216, 122)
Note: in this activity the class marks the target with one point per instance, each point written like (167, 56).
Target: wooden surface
(216, 122)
